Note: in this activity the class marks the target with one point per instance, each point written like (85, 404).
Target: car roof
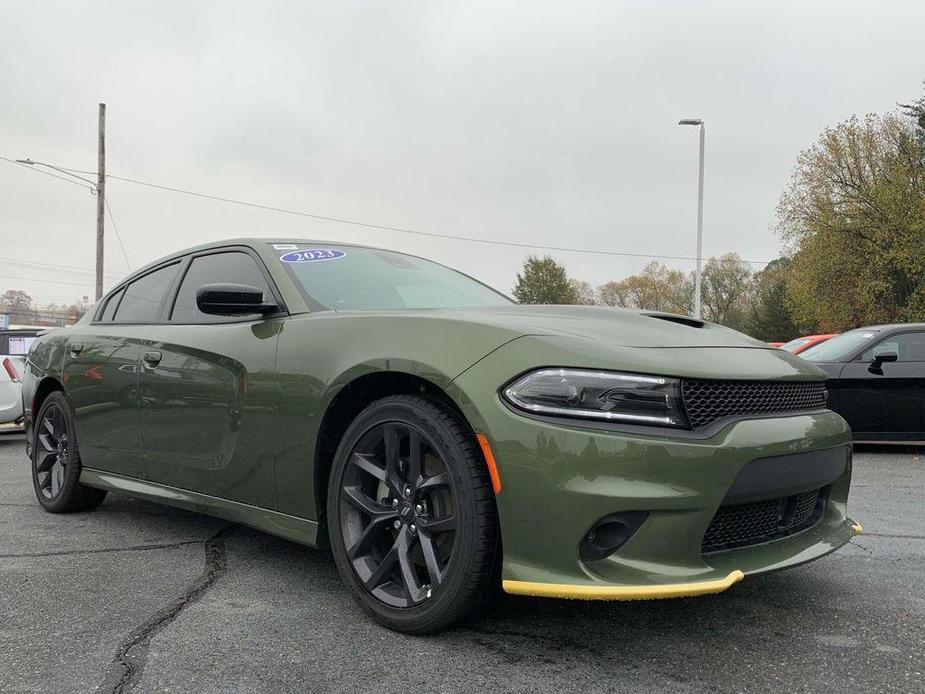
(889, 327)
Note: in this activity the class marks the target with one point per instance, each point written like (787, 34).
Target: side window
(232, 267)
(908, 346)
(142, 298)
(110, 310)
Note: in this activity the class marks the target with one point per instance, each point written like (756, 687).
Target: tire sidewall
(433, 610)
(72, 469)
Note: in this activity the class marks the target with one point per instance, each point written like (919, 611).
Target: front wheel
(411, 515)
(56, 460)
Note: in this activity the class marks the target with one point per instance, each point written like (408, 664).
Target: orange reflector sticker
(490, 461)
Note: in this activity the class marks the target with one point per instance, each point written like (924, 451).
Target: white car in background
(11, 370)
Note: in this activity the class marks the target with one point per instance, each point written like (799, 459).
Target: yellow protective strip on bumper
(598, 592)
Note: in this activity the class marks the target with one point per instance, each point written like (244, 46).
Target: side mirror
(232, 300)
(884, 357)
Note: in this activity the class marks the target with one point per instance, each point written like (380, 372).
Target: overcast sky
(549, 123)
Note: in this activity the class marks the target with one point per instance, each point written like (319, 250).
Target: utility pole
(100, 198)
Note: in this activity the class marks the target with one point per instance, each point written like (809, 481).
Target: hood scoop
(680, 320)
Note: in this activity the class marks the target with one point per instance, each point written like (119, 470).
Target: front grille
(709, 401)
(742, 525)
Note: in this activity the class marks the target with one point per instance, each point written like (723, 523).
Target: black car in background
(877, 380)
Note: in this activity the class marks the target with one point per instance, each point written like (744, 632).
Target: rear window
(111, 304)
(344, 278)
(794, 345)
(142, 299)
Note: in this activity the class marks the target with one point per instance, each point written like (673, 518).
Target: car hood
(617, 327)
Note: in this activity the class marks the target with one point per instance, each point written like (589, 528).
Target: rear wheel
(411, 515)
(56, 460)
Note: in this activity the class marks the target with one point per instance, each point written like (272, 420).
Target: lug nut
(407, 490)
(396, 524)
(413, 528)
(419, 508)
(394, 503)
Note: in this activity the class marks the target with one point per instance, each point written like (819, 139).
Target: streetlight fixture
(698, 121)
(64, 171)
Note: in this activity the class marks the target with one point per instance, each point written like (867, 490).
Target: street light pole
(697, 274)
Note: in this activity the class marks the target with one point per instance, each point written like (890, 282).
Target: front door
(101, 374)
(208, 388)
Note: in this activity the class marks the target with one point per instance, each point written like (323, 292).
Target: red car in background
(801, 344)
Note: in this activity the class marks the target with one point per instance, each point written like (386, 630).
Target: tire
(56, 460)
(415, 540)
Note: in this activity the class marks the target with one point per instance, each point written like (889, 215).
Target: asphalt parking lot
(139, 597)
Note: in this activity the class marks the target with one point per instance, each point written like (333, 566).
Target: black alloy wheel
(411, 515)
(51, 451)
(397, 519)
(56, 460)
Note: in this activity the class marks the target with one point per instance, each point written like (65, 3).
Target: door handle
(152, 359)
(75, 348)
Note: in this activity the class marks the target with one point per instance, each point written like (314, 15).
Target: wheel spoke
(440, 480)
(46, 459)
(408, 576)
(437, 526)
(49, 428)
(363, 462)
(47, 444)
(44, 480)
(365, 541)
(415, 456)
(393, 475)
(388, 561)
(56, 479)
(430, 559)
(355, 496)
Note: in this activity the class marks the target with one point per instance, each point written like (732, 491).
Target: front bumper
(559, 479)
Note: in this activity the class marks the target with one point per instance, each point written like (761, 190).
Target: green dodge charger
(441, 440)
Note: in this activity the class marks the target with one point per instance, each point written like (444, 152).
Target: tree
(854, 216)
(584, 292)
(656, 288)
(725, 290)
(18, 304)
(544, 281)
(768, 315)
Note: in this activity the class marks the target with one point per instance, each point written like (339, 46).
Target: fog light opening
(609, 534)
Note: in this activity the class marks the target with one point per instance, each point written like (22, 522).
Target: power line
(417, 232)
(402, 230)
(118, 236)
(34, 279)
(50, 266)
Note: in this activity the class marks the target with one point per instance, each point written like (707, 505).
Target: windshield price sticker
(312, 255)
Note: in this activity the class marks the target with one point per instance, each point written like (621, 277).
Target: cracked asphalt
(144, 598)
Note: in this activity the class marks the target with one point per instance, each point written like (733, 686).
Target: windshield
(839, 347)
(345, 278)
(794, 345)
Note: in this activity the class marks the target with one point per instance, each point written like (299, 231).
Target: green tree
(544, 281)
(656, 288)
(854, 216)
(768, 315)
(584, 292)
(725, 290)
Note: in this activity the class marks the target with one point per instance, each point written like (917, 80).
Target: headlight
(601, 395)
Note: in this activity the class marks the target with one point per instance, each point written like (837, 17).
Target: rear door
(208, 388)
(887, 403)
(101, 373)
